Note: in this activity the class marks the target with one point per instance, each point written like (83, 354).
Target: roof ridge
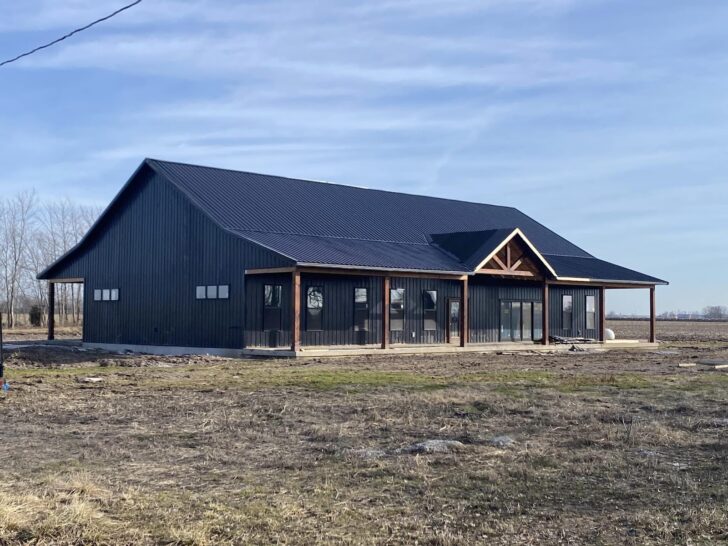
(365, 188)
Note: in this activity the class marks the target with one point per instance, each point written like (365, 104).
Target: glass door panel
(527, 308)
(516, 321)
(505, 321)
(537, 321)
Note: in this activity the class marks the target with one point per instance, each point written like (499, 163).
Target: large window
(591, 313)
(272, 307)
(396, 309)
(429, 309)
(361, 309)
(314, 308)
(567, 311)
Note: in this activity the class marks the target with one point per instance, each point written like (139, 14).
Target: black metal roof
(344, 226)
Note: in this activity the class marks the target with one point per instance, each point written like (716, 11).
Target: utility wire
(54, 42)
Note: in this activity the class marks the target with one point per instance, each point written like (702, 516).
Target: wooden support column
(296, 311)
(51, 311)
(545, 313)
(653, 316)
(386, 285)
(602, 313)
(464, 313)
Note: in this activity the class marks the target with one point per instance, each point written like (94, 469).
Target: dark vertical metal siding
(485, 296)
(156, 248)
(338, 310)
(414, 287)
(578, 326)
(255, 336)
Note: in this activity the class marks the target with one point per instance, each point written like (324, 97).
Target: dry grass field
(608, 448)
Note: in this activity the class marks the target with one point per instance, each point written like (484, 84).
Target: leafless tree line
(33, 234)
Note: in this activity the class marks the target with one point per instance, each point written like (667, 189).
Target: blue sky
(605, 120)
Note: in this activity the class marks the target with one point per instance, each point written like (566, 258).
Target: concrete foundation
(321, 352)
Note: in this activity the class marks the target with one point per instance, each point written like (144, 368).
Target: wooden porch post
(296, 311)
(386, 285)
(51, 311)
(602, 313)
(653, 316)
(545, 313)
(464, 313)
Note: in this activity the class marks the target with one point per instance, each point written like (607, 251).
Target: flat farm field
(581, 448)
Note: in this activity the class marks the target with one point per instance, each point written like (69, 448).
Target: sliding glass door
(521, 321)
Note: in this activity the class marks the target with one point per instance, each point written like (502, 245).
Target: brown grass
(611, 448)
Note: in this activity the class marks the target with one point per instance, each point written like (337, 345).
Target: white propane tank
(609, 335)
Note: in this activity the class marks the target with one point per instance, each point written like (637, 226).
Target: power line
(54, 42)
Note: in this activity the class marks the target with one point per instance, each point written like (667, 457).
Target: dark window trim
(432, 312)
(320, 309)
(587, 312)
(276, 311)
(402, 310)
(533, 303)
(564, 311)
(100, 293)
(359, 309)
(205, 287)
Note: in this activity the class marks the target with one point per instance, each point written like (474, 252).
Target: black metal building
(191, 257)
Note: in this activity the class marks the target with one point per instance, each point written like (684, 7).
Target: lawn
(619, 447)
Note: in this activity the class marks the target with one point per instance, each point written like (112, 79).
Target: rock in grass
(501, 441)
(435, 446)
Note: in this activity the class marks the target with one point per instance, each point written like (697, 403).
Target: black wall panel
(156, 248)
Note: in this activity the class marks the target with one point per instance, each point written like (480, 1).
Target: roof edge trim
(44, 275)
(517, 231)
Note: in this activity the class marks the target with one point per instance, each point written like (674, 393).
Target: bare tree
(16, 222)
(715, 312)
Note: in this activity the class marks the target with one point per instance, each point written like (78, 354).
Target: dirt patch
(617, 447)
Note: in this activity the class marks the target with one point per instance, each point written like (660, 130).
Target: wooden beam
(500, 263)
(516, 265)
(545, 314)
(506, 273)
(602, 313)
(386, 285)
(508, 255)
(52, 311)
(653, 316)
(464, 313)
(296, 311)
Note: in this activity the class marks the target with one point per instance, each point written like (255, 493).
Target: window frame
(319, 314)
(590, 314)
(97, 294)
(393, 309)
(429, 314)
(272, 314)
(361, 324)
(567, 325)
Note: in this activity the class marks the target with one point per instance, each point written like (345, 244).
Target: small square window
(114, 294)
(97, 295)
(212, 292)
(223, 292)
(201, 292)
(106, 294)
